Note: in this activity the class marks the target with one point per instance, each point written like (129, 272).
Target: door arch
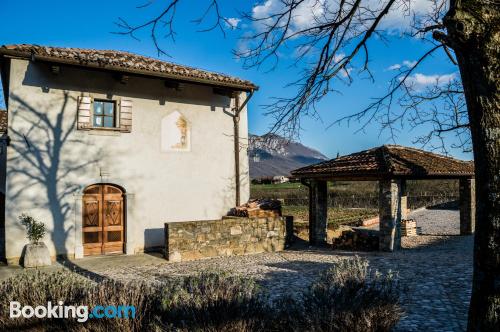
(103, 220)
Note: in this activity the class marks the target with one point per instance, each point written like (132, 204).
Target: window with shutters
(94, 113)
(104, 115)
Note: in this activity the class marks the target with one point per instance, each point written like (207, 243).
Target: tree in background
(333, 38)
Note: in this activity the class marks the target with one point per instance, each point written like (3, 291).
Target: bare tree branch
(333, 43)
(162, 25)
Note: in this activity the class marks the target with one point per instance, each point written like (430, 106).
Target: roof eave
(379, 176)
(325, 177)
(28, 56)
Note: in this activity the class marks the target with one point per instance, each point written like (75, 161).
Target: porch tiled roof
(389, 161)
(125, 62)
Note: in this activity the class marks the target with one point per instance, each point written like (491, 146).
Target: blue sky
(90, 24)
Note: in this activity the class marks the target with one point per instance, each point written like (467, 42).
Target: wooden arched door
(103, 220)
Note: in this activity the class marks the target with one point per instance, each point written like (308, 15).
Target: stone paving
(437, 222)
(435, 270)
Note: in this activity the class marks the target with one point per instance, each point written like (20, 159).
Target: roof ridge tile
(125, 61)
(386, 160)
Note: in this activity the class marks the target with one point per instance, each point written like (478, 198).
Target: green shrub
(213, 302)
(35, 229)
(37, 288)
(347, 297)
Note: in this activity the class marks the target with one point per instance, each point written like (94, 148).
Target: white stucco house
(280, 179)
(105, 147)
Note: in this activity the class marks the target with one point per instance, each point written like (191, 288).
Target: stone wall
(390, 214)
(226, 237)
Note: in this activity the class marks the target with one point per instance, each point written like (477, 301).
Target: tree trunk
(474, 33)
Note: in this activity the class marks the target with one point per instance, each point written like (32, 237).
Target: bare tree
(335, 42)
(439, 106)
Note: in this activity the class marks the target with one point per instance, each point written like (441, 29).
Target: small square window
(104, 114)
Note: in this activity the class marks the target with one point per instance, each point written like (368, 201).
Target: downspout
(236, 127)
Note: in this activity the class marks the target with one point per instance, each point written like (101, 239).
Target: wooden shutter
(126, 115)
(84, 113)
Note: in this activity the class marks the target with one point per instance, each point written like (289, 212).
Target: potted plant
(36, 253)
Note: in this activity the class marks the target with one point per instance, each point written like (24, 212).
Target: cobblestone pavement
(435, 270)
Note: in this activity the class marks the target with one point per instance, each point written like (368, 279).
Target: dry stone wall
(225, 237)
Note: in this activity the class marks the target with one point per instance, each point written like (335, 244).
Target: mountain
(272, 155)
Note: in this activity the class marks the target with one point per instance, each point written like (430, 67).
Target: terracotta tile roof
(125, 62)
(389, 161)
(3, 121)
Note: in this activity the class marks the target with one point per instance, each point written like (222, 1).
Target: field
(336, 216)
(336, 219)
(351, 201)
(358, 188)
(360, 194)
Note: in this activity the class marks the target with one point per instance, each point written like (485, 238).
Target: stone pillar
(131, 234)
(78, 226)
(318, 209)
(467, 206)
(404, 200)
(390, 214)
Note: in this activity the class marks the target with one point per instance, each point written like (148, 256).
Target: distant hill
(273, 155)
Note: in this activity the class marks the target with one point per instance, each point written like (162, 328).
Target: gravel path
(438, 222)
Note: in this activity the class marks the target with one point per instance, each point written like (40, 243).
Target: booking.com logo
(81, 313)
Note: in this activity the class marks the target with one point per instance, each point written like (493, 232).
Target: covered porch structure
(391, 166)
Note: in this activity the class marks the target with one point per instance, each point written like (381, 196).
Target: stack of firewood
(408, 227)
(357, 239)
(257, 208)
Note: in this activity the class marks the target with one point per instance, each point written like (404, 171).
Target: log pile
(357, 239)
(258, 208)
(408, 227)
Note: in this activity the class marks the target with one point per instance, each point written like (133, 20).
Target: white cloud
(345, 72)
(402, 12)
(399, 17)
(242, 48)
(304, 15)
(394, 67)
(409, 64)
(419, 81)
(261, 12)
(232, 22)
(305, 51)
(307, 12)
(406, 63)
